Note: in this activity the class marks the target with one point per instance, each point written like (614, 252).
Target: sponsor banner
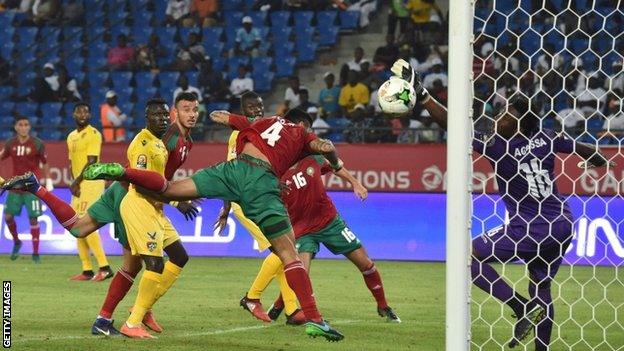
(380, 167)
(397, 226)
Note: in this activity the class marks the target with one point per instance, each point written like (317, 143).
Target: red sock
(146, 179)
(299, 281)
(279, 302)
(374, 284)
(119, 287)
(63, 212)
(34, 232)
(13, 230)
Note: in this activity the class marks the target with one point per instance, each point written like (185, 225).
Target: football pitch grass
(201, 311)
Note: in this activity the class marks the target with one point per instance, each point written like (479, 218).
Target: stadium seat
(99, 49)
(49, 34)
(6, 107)
(6, 35)
(214, 106)
(280, 33)
(279, 18)
(233, 19)
(263, 81)
(6, 48)
(349, 20)
(117, 17)
(166, 34)
(304, 34)
(193, 77)
(184, 34)
(47, 134)
(6, 121)
(138, 6)
(121, 79)
(74, 64)
(234, 62)
(95, 33)
(230, 38)
(72, 32)
(115, 31)
(218, 63)
(98, 79)
(212, 34)
(261, 64)
(306, 51)
(283, 48)
(25, 36)
(303, 19)
(168, 79)
(258, 18)
(50, 109)
(231, 5)
(213, 48)
(141, 34)
(326, 19)
(6, 134)
(328, 36)
(96, 62)
(286, 67)
(144, 80)
(6, 19)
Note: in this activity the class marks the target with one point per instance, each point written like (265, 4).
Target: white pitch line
(206, 333)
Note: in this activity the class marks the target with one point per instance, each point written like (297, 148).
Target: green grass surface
(201, 311)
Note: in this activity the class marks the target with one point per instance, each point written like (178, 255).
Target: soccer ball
(396, 96)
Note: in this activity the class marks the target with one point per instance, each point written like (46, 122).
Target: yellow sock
(83, 253)
(269, 268)
(288, 295)
(95, 244)
(169, 276)
(147, 295)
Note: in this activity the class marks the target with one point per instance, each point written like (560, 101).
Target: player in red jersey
(266, 149)
(28, 155)
(315, 220)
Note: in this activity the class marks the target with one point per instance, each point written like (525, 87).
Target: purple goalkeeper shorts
(510, 243)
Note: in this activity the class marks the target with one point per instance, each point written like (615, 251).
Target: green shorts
(16, 200)
(339, 239)
(106, 210)
(250, 183)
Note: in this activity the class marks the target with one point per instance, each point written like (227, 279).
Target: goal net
(565, 56)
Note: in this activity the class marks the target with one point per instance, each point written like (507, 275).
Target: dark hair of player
(81, 103)
(153, 103)
(186, 96)
(529, 121)
(21, 118)
(249, 95)
(296, 115)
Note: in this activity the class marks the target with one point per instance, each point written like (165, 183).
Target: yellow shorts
(147, 228)
(90, 192)
(256, 233)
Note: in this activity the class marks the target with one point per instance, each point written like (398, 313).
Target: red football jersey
(309, 207)
(282, 142)
(26, 156)
(178, 146)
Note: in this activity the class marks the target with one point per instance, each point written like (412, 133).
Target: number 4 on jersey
(272, 134)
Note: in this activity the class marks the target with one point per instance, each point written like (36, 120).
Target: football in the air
(396, 96)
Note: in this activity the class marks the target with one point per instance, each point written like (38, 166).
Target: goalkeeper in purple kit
(540, 222)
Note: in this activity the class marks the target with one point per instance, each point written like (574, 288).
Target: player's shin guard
(170, 274)
(147, 296)
(117, 290)
(485, 277)
(34, 232)
(13, 230)
(374, 284)
(299, 281)
(95, 244)
(63, 212)
(269, 268)
(83, 254)
(287, 295)
(543, 296)
(146, 179)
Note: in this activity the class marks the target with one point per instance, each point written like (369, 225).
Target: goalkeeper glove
(402, 69)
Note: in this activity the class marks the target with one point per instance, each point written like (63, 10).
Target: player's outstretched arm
(360, 190)
(592, 156)
(402, 69)
(328, 150)
(221, 117)
(221, 221)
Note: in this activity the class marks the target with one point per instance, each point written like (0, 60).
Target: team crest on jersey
(310, 171)
(151, 246)
(143, 142)
(141, 161)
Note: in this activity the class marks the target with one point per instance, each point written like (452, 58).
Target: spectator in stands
(429, 131)
(5, 71)
(212, 83)
(45, 11)
(241, 83)
(204, 12)
(328, 97)
(616, 82)
(575, 76)
(353, 94)
(387, 54)
(68, 88)
(571, 118)
(291, 96)
(353, 65)
(267, 5)
(247, 39)
(437, 74)
(184, 87)
(112, 119)
(398, 13)
(439, 92)
(319, 126)
(614, 123)
(73, 13)
(189, 56)
(304, 100)
(178, 13)
(365, 8)
(156, 47)
(46, 86)
(421, 14)
(593, 99)
(145, 59)
(121, 56)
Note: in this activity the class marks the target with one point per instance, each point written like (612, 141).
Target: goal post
(459, 173)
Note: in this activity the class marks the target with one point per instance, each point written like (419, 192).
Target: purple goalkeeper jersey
(525, 175)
